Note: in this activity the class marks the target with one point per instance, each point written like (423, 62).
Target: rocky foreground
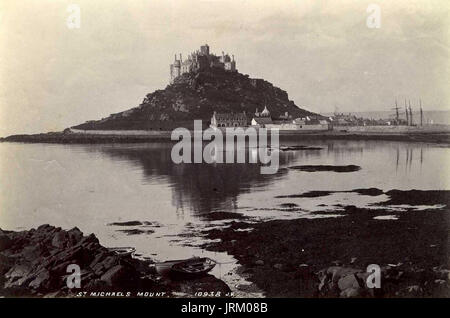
(34, 263)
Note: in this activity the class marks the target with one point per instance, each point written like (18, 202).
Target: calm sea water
(91, 186)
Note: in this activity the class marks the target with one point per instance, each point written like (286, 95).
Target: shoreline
(165, 136)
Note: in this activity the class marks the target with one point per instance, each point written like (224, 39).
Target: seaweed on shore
(321, 168)
(135, 231)
(418, 197)
(285, 257)
(316, 194)
(221, 215)
(126, 223)
(309, 194)
(300, 147)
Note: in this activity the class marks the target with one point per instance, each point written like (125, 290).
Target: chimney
(181, 59)
(175, 57)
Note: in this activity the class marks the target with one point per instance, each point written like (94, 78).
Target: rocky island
(205, 84)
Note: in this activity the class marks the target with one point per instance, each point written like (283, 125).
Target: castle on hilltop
(201, 60)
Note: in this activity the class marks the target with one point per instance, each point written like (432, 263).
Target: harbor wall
(393, 129)
(286, 131)
(161, 133)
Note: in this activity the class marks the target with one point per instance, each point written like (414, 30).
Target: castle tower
(175, 69)
(204, 49)
(265, 112)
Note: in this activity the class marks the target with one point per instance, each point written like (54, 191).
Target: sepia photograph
(230, 151)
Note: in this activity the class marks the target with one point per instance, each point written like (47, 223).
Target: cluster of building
(352, 120)
(341, 119)
(201, 60)
(264, 120)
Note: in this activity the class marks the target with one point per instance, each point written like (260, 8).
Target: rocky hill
(197, 96)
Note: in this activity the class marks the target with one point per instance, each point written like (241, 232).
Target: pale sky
(321, 52)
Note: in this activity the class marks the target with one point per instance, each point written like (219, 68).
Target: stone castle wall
(201, 59)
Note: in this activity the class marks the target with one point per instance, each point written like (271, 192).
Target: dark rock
(41, 281)
(278, 266)
(370, 191)
(60, 239)
(5, 242)
(319, 168)
(89, 239)
(98, 258)
(33, 252)
(205, 283)
(215, 216)
(5, 264)
(44, 227)
(127, 223)
(415, 289)
(108, 262)
(301, 147)
(417, 197)
(310, 194)
(348, 282)
(351, 292)
(61, 268)
(136, 231)
(36, 263)
(115, 276)
(96, 284)
(18, 271)
(75, 235)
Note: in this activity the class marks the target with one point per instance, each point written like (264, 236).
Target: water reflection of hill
(199, 187)
(202, 188)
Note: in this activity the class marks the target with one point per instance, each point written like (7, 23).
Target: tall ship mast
(410, 114)
(406, 112)
(421, 112)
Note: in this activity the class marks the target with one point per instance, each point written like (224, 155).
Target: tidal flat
(314, 257)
